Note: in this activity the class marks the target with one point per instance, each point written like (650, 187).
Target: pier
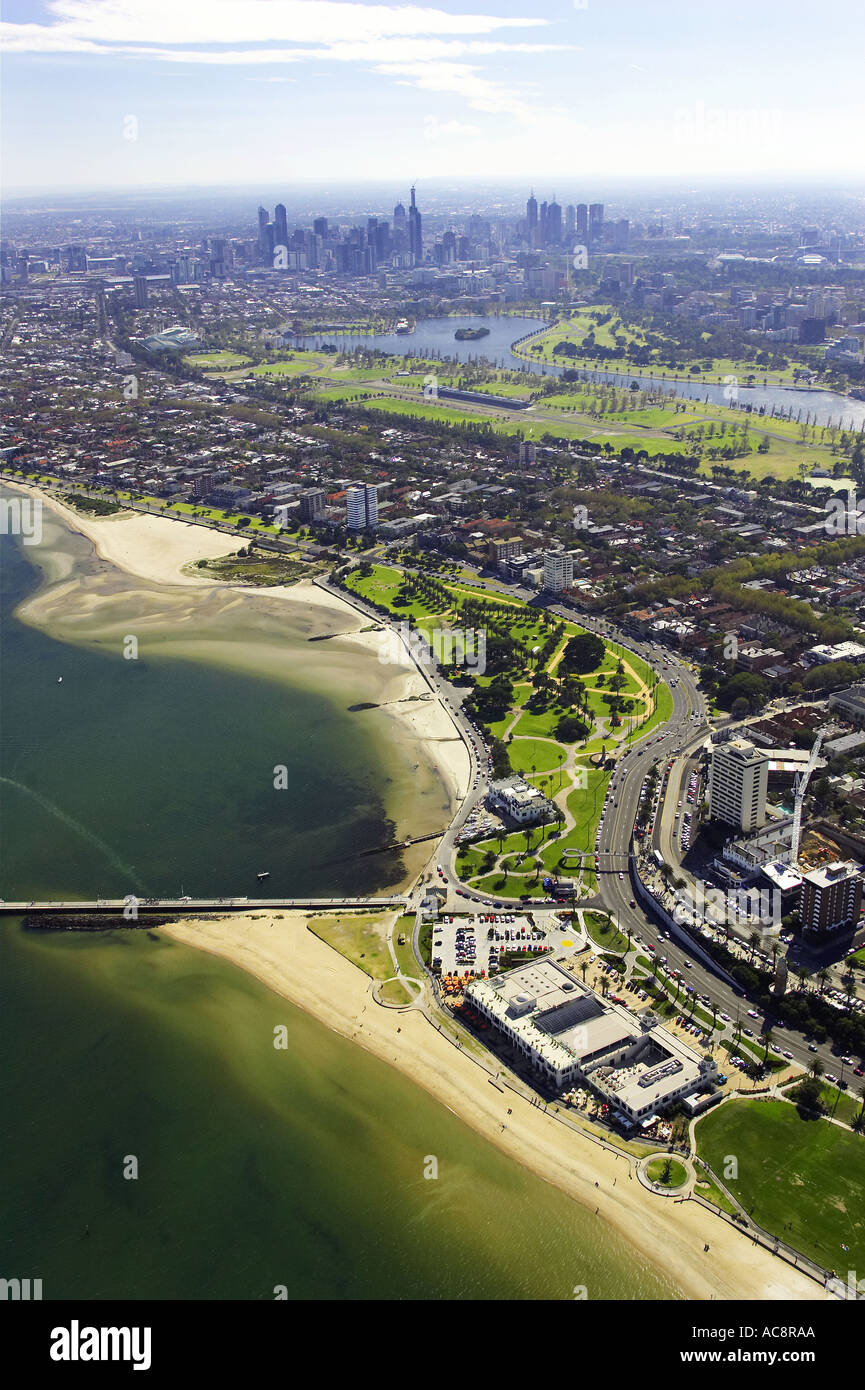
(191, 907)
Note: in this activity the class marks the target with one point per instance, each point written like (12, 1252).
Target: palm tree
(754, 942)
(816, 1068)
(823, 977)
(767, 1038)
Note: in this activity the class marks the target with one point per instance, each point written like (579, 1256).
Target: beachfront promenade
(194, 906)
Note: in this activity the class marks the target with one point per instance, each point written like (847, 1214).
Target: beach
(139, 569)
(283, 954)
(239, 626)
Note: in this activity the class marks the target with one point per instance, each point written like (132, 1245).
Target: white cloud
(415, 45)
(244, 21)
(436, 129)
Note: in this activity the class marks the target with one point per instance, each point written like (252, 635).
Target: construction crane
(800, 786)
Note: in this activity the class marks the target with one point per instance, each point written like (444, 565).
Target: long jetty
(192, 906)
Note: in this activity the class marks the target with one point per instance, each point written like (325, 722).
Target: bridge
(192, 906)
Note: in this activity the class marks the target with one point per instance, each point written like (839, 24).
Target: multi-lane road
(684, 733)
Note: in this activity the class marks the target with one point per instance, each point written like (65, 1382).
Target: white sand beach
(282, 953)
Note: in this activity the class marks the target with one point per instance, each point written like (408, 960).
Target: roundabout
(667, 1175)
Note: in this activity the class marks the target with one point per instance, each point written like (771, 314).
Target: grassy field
(604, 933)
(360, 937)
(803, 1180)
(678, 1172)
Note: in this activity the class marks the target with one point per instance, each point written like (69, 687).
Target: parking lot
(475, 942)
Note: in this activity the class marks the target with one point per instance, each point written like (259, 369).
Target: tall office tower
(558, 570)
(570, 220)
(596, 221)
(280, 225)
(738, 779)
(319, 226)
(415, 236)
(264, 243)
(361, 506)
(831, 897)
(554, 223)
(449, 245)
(582, 222)
(532, 212)
(140, 283)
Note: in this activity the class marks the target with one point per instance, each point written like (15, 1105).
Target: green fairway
(803, 1180)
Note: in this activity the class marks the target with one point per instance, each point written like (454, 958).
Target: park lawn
(394, 992)
(604, 933)
(222, 360)
(541, 724)
(361, 937)
(840, 1104)
(678, 1172)
(705, 1187)
(404, 954)
(528, 754)
(803, 1180)
(662, 712)
(514, 885)
(585, 806)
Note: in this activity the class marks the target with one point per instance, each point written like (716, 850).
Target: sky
(135, 93)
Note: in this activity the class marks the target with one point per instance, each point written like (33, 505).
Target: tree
(583, 653)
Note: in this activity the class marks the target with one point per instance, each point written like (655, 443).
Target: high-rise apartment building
(140, 283)
(361, 506)
(528, 452)
(558, 570)
(738, 779)
(312, 504)
(831, 897)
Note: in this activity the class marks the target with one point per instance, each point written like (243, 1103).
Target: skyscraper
(570, 219)
(280, 225)
(554, 223)
(140, 283)
(415, 238)
(596, 221)
(264, 242)
(582, 222)
(532, 212)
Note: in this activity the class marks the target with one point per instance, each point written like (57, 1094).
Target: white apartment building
(361, 506)
(558, 570)
(738, 779)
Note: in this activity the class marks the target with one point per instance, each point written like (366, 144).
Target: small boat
(403, 326)
(59, 680)
(266, 874)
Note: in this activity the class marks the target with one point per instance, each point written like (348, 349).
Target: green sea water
(256, 1167)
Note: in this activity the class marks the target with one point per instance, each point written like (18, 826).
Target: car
(621, 876)
(812, 1047)
(633, 903)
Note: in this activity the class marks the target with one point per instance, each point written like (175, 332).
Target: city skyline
(138, 93)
